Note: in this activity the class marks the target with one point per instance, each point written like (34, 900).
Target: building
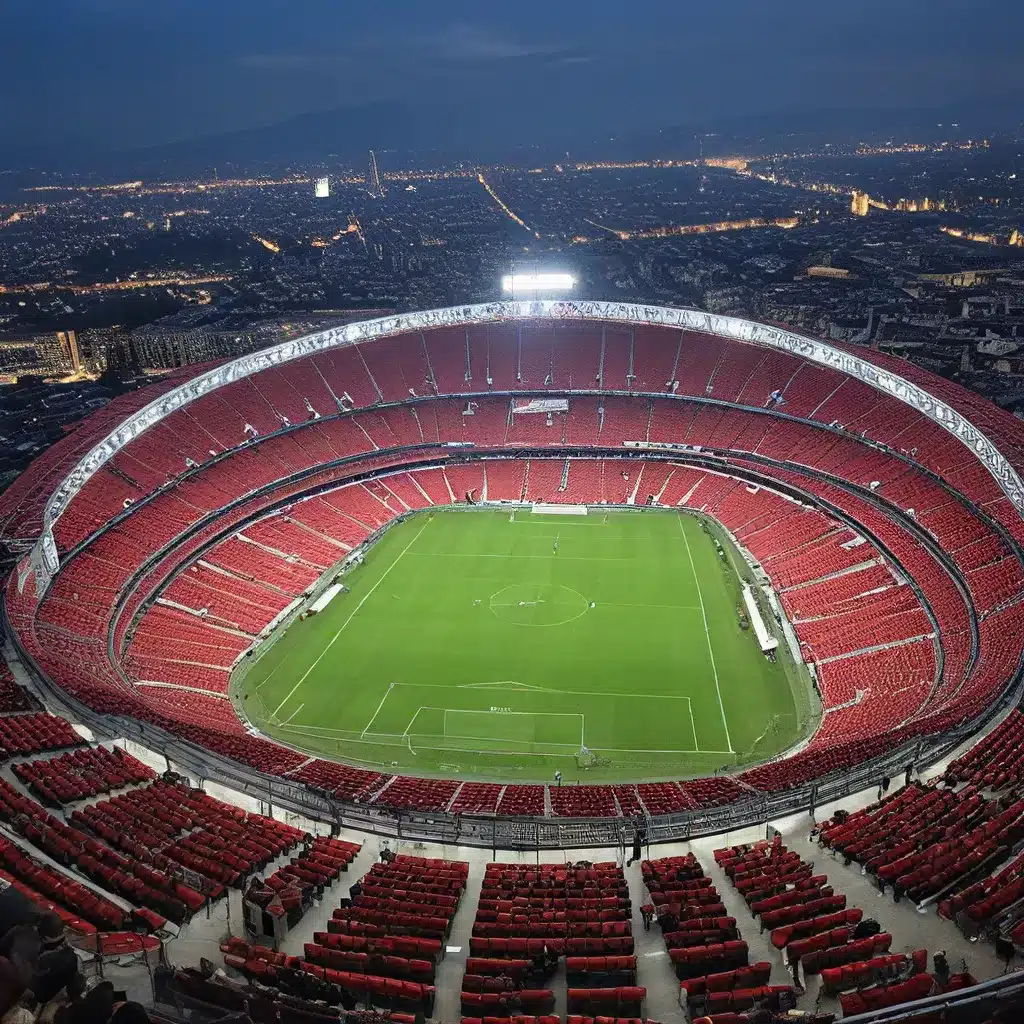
(323, 188)
(860, 203)
(69, 343)
(198, 336)
(47, 355)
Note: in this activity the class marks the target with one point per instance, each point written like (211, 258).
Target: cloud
(465, 42)
(459, 45)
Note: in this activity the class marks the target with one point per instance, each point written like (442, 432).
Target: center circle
(538, 604)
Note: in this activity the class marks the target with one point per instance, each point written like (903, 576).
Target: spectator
(14, 980)
(647, 913)
(57, 966)
(639, 835)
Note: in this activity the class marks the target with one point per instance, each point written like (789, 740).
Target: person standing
(639, 836)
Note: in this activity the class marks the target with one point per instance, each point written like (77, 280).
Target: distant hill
(471, 129)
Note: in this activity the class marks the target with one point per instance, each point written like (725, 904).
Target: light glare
(537, 282)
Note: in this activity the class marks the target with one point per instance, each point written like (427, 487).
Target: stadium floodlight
(518, 284)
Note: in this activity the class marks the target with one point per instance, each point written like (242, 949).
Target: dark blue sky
(122, 73)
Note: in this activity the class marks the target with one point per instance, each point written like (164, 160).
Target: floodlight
(516, 283)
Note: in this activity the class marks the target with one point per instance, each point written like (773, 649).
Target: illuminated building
(860, 203)
(69, 343)
(323, 188)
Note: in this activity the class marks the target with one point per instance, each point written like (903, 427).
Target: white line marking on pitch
(341, 630)
(387, 693)
(294, 713)
(707, 633)
(693, 725)
(562, 558)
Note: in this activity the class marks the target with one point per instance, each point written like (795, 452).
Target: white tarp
(766, 641)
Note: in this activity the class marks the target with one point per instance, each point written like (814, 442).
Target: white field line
(352, 615)
(387, 693)
(707, 634)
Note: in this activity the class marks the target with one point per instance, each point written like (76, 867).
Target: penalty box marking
(584, 693)
(519, 688)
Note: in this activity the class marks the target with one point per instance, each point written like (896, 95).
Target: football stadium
(461, 598)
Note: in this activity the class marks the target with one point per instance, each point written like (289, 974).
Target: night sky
(118, 74)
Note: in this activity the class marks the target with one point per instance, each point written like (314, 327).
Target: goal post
(537, 731)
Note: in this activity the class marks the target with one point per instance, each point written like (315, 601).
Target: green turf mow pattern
(469, 645)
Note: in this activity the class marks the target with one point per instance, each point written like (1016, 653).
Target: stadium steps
(636, 486)
(419, 426)
(342, 547)
(373, 381)
(429, 500)
(509, 418)
(221, 571)
(685, 500)
(373, 444)
(448, 486)
(299, 767)
(860, 567)
(316, 917)
(452, 968)
(402, 503)
(431, 379)
(376, 795)
(664, 486)
(455, 795)
(285, 555)
(675, 362)
(159, 685)
(877, 647)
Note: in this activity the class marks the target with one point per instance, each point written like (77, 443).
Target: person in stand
(639, 836)
(647, 913)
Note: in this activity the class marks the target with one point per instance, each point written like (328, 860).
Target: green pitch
(605, 646)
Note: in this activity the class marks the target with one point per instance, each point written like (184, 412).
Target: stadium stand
(529, 917)
(933, 623)
(81, 774)
(381, 948)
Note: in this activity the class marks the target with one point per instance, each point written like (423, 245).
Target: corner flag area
(469, 643)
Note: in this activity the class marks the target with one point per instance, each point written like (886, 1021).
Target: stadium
(540, 576)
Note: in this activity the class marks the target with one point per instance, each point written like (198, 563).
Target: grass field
(469, 645)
